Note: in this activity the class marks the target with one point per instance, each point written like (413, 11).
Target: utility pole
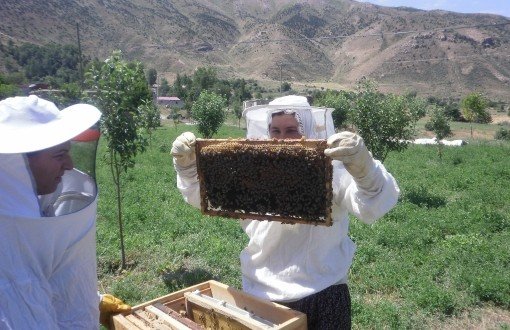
(80, 61)
(280, 65)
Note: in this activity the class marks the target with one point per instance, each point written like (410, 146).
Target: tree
(237, 108)
(241, 90)
(439, 124)
(336, 100)
(182, 86)
(7, 89)
(71, 94)
(208, 112)
(386, 123)
(164, 89)
(223, 88)
(152, 76)
(60, 62)
(473, 109)
(121, 91)
(203, 79)
(285, 86)
(150, 116)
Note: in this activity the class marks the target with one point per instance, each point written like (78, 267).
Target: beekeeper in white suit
(48, 210)
(304, 266)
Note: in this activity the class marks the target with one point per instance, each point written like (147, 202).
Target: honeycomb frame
(276, 180)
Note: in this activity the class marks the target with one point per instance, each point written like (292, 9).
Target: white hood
(48, 277)
(316, 122)
(17, 193)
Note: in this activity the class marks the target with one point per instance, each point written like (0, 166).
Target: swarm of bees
(280, 180)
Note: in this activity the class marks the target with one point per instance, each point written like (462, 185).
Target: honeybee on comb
(277, 180)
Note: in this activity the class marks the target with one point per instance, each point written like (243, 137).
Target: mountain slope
(316, 41)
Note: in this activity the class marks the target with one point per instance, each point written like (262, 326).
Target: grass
(439, 259)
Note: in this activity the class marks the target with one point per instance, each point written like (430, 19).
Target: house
(170, 101)
(251, 103)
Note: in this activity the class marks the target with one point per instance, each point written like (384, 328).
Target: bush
(208, 111)
(337, 100)
(385, 122)
(502, 134)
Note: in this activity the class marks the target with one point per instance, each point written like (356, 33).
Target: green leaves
(386, 122)
(337, 100)
(122, 94)
(473, 107)
(124, 97)
(208, 111)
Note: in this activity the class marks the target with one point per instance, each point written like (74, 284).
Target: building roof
(168, 98)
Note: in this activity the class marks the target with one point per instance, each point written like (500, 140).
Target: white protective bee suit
(286, 262)
(48, 276)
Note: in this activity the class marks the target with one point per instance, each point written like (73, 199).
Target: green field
(439, 259)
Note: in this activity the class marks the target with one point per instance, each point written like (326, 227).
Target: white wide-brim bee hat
(29, 123)
(315, 122)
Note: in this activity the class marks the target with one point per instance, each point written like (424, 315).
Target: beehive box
(209, 305)
(278, 180)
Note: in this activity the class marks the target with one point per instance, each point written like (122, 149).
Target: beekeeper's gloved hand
(350, 149)
(183, 151)
(109, 306)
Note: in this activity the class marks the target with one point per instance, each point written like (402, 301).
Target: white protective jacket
(286, 262)
(48, 274)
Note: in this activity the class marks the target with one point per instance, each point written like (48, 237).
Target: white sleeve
(367, 206)
(190, 189)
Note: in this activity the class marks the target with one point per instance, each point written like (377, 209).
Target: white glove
(183, 151)
(350, 149)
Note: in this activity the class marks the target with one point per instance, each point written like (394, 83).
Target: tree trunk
(114, 167)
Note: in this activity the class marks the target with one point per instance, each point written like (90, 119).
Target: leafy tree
(223, 88)
(286, 86)
(452, 110)
(502, 134)
(58, 61)
(439, 124)
(237, 108)
(203, 79)
(240, 90)
(451, 107)
(208, 112)
(182, 86)
(417, 106)
(121, 91)
(152, 76)
(336, 100)
(386, 123)
(7, 89)
(473, 109)
(14, 78)
(164, 89)
(71, 93)
(150, 116)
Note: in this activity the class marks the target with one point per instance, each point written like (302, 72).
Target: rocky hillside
(308, 42)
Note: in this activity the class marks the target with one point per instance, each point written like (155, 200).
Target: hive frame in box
(319, 145)
(211, 297)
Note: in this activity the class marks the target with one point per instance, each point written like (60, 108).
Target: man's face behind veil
(48, 167)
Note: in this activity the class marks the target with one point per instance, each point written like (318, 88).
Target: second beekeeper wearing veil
(48, 206)
(299, 265)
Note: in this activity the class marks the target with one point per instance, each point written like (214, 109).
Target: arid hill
(327, 43)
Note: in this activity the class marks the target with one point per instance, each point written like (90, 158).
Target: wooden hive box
(278, 180)
(209, 305)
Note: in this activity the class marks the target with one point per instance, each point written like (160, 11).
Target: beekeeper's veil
(314, 122)
(47, 243)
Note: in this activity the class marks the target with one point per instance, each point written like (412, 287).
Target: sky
(499, 7)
